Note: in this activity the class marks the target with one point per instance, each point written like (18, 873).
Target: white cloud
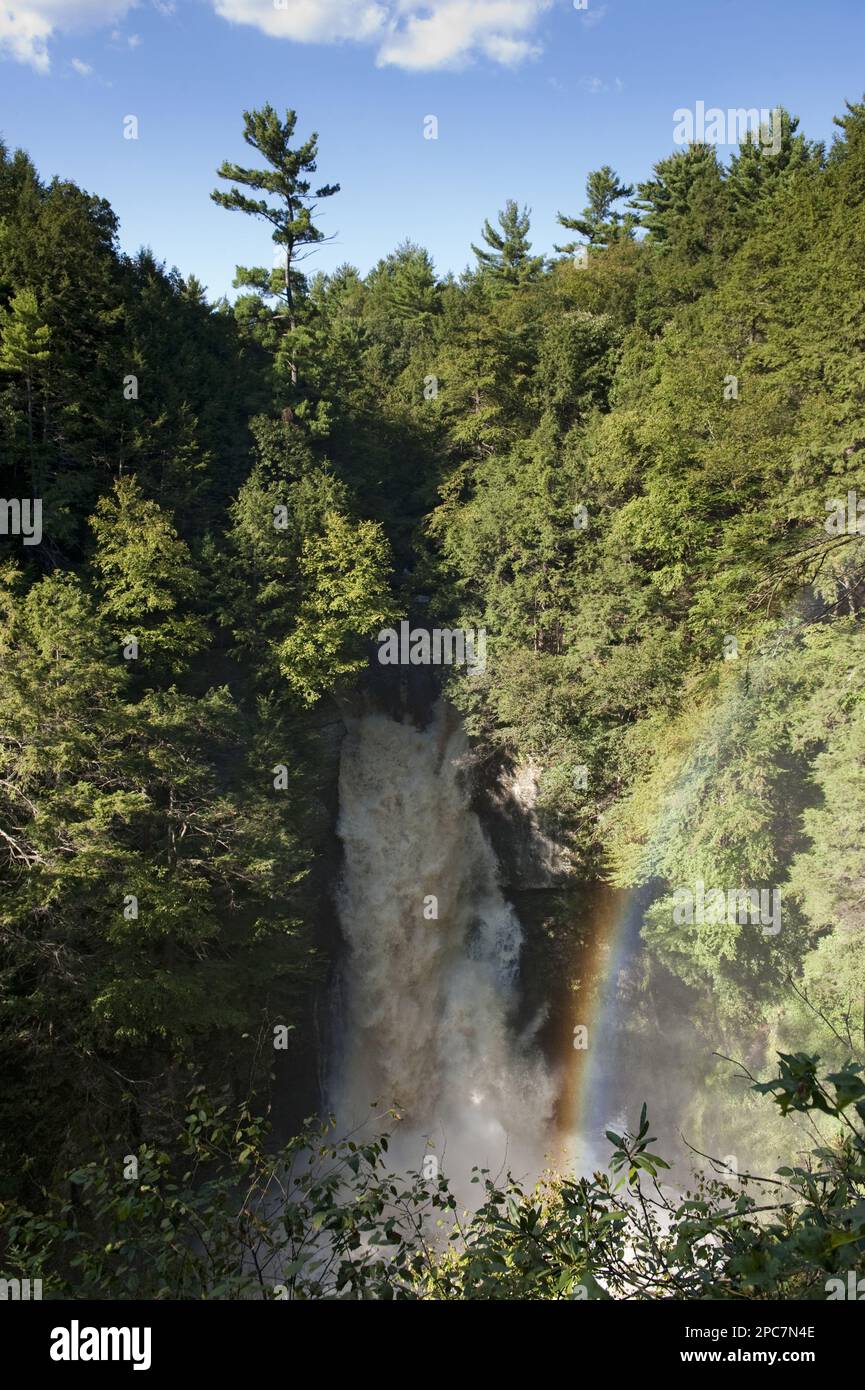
(309, 21)
(412, 34)
(83, 69)
(27, 25)
(510, 51)
(24, 36)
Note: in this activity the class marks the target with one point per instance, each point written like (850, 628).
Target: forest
(634, 461)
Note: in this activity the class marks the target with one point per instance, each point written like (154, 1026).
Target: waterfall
(429, 985)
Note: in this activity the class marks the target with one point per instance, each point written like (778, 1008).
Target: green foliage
(327, 1219)
(154, 899)
(25, 338)
(616, 470)
(601, 223)
(291, 216)
(146, 577)
(345, 601)
(148, 890)
(505, 261)
(699, 395)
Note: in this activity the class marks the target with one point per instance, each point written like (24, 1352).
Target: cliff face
(529, 853)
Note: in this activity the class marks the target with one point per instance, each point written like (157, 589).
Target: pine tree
(666, 203)
(404, 284)
(685, 210)
(146, 578)
(756, 170)
(24, 339)
(282, 504)
(852, 124)
(507, 263)
(146, 906)
(346, 600)
(599, 222)
(292, 216)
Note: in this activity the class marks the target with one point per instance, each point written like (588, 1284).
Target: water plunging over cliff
(428, 993)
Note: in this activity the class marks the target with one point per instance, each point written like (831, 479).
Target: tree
(404, 284)
(292, 216)
(24, 340)
(599, 222)
(668, 203)
(63, 797)
(148, 889)
(282, 504)
(146, 577)
(346, 601)
(685, 211)
(755, 171)
(507, 262)
(852, 124)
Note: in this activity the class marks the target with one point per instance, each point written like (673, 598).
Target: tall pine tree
(291, 217)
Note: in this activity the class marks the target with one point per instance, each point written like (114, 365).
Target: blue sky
(529, 96)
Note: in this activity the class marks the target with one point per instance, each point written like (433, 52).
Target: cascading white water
(429, 1002)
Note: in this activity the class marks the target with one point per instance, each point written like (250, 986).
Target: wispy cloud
(595, 85)
(26, 30)
(309, 21)
(83, 69)
(417, 35)
(593, 15)
(412, 34)
(125, 40)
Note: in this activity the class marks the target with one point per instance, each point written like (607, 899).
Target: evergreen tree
(147, 910)
(505, 262)
(685, 211)
(24, 350)
(283, 504)
(852, 126)
(146, 579)
(291, 216)
(669, 203)
(346, 601)
(757, 169)
(403, 284)
(600, 222)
